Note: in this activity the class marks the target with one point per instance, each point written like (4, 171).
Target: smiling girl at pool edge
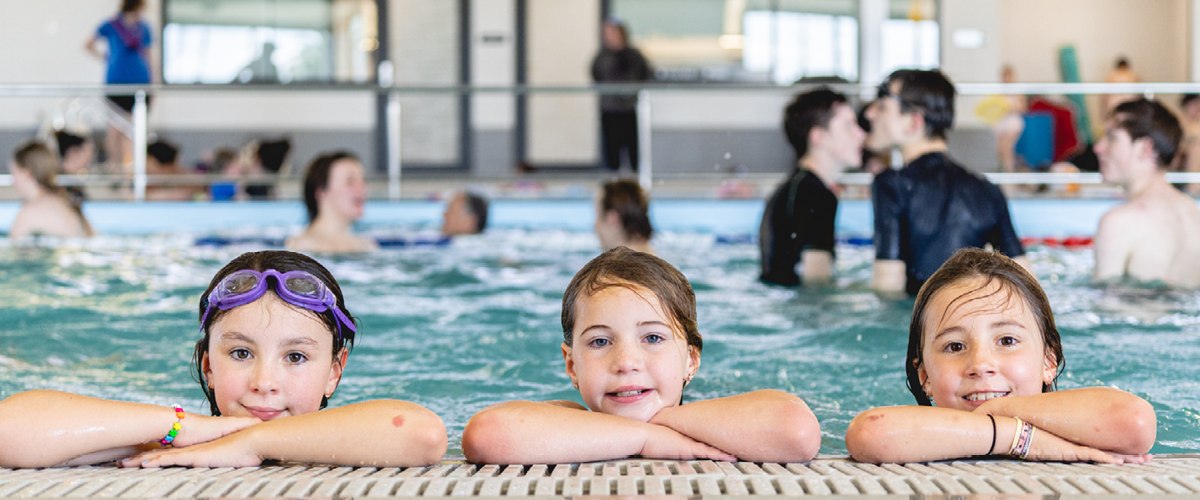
(631, 346)
(276, 339)
(983, 358)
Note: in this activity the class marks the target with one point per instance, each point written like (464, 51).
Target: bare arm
(920, 433)
(818, 266)
(1112, 247)
(889, 275)
(90, 47)
(47, 428)
(526, 432)
(1099, 417)
(759, 426)
(380, 433)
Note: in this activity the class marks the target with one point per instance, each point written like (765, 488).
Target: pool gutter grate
(1167, 475)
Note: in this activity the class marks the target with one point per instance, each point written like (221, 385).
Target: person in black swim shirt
(798, 221)
(932, 207)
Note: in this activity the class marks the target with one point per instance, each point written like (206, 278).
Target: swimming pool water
(477, 322)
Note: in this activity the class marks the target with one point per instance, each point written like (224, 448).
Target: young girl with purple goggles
(267, 363)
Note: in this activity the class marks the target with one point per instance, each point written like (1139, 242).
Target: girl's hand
(663, 442)
(1047, 447)
(198, 429)
(232, 451)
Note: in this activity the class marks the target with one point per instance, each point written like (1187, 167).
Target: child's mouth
(625, 394)
(984, 396)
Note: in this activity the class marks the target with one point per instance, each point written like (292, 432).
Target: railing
(645, 92)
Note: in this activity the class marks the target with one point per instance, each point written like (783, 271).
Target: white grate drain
(1174, 475)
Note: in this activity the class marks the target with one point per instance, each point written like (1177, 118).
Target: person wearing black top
(798, 221)
(932, 207)
(618, 62)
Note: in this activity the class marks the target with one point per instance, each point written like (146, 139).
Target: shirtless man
(932, 207)
(45, 209)
(1155, 234)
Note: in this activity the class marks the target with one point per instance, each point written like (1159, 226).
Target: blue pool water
(460, 327)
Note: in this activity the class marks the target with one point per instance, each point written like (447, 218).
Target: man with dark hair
(932, 207)
(798, 221)
(467, 213)
(161, 160)
(1155, 234)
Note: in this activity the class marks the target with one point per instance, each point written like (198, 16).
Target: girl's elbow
(1143, 428)
(864, 437)
(803, 438)
(484, 436)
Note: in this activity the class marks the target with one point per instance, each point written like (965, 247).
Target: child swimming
(276, 336)
(631, 346)
(983, 360)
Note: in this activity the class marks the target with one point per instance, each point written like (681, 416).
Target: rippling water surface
(475, 323)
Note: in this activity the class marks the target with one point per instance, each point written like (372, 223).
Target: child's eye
(1009, 341)
(655, 338)
(295, 357)
(955, 347)
(599, 342)
(240, 353)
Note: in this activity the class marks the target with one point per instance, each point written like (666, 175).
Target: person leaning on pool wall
(798, 221)
(933, 206)
(623, 216)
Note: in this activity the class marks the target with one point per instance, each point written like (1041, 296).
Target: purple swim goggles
(299, 288)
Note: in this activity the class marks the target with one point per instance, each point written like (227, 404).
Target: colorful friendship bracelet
(1012, 449)
(1022, 440)
(175, 427)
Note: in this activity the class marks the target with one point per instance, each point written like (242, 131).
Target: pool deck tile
(1175, 475)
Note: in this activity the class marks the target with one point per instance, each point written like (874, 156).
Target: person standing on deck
(932, 207)
(798, 221)
(1155, 234)
(618, 62)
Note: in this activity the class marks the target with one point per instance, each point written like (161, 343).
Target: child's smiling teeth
(623, 394)
(984, 396)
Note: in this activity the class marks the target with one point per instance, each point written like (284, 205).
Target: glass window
(269, 41)
(910, 36)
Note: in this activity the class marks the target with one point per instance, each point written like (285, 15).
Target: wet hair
(272, 153)
(1122, 62)
(67, 141)
(630, 203)
(927, 92)
(478, 205)
(131, 5)
(806, 111)
(973, 264)
(1187, 98)
(1145, 118)
(163, 152)
(39, 160)
(625, 268)
(317, 178)
(282, 261)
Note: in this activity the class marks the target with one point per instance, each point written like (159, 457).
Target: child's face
(984, 345)
(268, 359)
(627, 358)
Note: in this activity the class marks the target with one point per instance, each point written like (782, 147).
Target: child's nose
(981, 362)
(265, 380)
(627, 358)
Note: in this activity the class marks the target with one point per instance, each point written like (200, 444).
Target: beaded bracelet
(1022, 440)
(1012, 449)
(175, 427)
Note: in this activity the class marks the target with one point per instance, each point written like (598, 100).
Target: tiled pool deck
(1174, 475)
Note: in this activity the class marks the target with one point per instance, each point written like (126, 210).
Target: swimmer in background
(798, 221)
(76, 154)
(932, 207)
(1189, 149)
(466, 213)
(46, 208)
(161, 160)
(983, 360)
(276, 337)
(334, 194)
(1155, 234)
(631, 346)
(623, 217)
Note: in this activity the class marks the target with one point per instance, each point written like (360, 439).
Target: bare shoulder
(1122, 217)
(300, 243)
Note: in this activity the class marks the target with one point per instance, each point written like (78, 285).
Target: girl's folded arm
(45, 428)
(759, 426)
(379, 433)
(1099, 417)
(526, 432)
(383, 433)
(921, 433)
